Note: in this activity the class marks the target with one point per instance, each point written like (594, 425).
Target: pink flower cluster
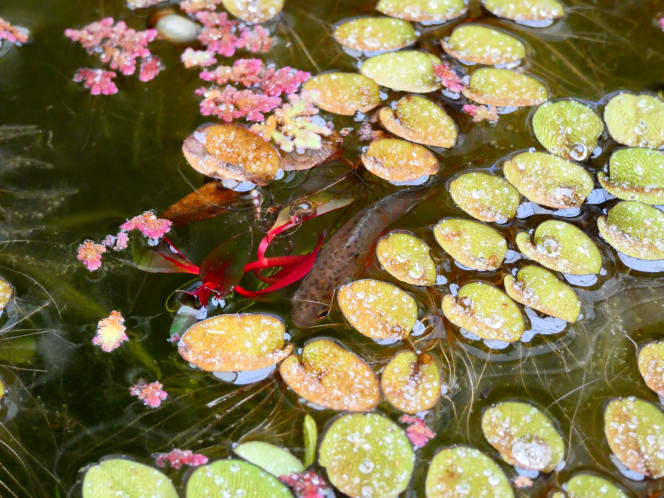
(481, 112)
(193, 6)
(150, 394)
(448, 77)
(90, 253)
(306, 484)
(230, 104)
(148, 224)
(13, 34)
(98, 81)
(418, 432)
(110, 332)
(176, 458)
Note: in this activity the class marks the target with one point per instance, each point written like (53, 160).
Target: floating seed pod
(367, 456)
(634, 429)
(548, 180)
(634, 229)
(592, 486)
(636, 120)
(651, 366)
(234, 478)
(174, 27)
(344, 93)
(407, 71)
(375, 34)
(567, 128)
(635, 175)
(424, 11)
(411, 383)
(122, 477)
(485, 197)
(504, 88)
(562, 247)
(272, 459)
(254, 11)
(485, 311)
(406, 258)
(542, 291)
(6, 293)
(419, 120)
(483, 45)
(330, 376)
(399, 161)
(471, 243)
(525, 10)
(230, 343)
(523, 435)
(467, 469)
(230, 151)
(377, 309)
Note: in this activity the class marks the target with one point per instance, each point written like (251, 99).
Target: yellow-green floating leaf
(344, 93)
(635, 229)
(234, 478)
(375, 34)
(471, 243)
(485, 197)
(636, 120)
(568, 128)
(121, 477)
(367, 456)
(399, 161)
(254, 11)
(651, 366)
(591, 486)
(504, 88)
(272, 459)
(406, 258)
(6, 293)
(407, 71)
(485, 311)
(483, 45)
(411, 383)
(525, 10)
(310, 435)
(562, 247)
(635, 175)
(523, 435)
(548, 180)
(424, 11)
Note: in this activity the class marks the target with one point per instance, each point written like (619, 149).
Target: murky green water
(88, 163)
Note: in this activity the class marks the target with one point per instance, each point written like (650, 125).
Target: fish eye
(323, 313)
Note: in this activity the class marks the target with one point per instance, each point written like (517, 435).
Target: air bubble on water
(418, 329)
(641, 264)
(366, 466)
(578, 152)
(301, 211)
(581, 280)
(641, 128)
(629, 474)
(440, 280)
(545, 23)
(495, 344)
(469, 335)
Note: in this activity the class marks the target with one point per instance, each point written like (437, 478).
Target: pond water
(76, 166)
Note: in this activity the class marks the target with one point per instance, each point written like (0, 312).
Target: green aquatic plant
(589, 486)
(122, 477)
(427, 11)
(484, 45)
(504, 88)
(636, 120)
(344, 93)
(471, 243)
(272, 459)
(485, 197)
(406, 258)
(375, 34)
(525, 10)
(635, 175)
(635, 229)
(407, 71)
(411, 383)
(399, 161)
(651, 366)
(234, 478)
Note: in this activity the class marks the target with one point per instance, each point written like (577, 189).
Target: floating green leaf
(375, 34)
(635, 229)
(367, 455)
(254, 11)
(525, 10)
(485, 197)
(592, 486)
(6, 293)
(471, 243)
(233, 478)
(468, 471)
(542, 291)
(635, 175)
(636, 120)
(411, 383)
(485, 311)
(377, 309)
(562, 247)
(122, 477)
(425, 11)
(651, 366)
(399, 161)
(634, 429)
(504, 88)
(419, 120)
(523, 435)
(483, 45)
(310, 435)
(272, 459)
(548, 180)
(408, 71)
(344, 93)
(406, 258)
(568, 128)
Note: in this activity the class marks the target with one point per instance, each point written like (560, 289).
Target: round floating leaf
(483, 45)
(549, 180)
(399, 161)
(332, 377)
(635, 175)
(254, 11)
(634, 429)
(344, 93)
(651, 366)
(234, 478)
(121, 477)
(468, 471)
(485, 311)
(272, 459)
(375, 34)
(411, 383)
(504, 88)
(636, 120)
(425, 11)
(6, 293)
(485, 197)
(562, 247)
(471, 243)
(367, 456)
(591, 486)
(523, 435)
(310, 436)
(542, 291)
(419, 120)
(408, 71)
(406, 258)
(377, 309)
(231, 151)
(635, 229)
(230, 343)
(568, 128)
(525, 10)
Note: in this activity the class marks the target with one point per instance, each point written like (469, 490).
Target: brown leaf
(208, 201)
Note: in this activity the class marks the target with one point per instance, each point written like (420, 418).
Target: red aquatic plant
(197, 58)
(98, 81)
(224, 37)
(481, 112)
(230, 104)
(13, 34)
(148, 224)
(417, 431)
(448, 77)
(110, 332)
(150, 394)
(89, 253)
(307, 484)
(176, 458)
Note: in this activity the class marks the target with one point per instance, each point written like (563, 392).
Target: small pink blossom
(222, 36)
(90, 254)
(110, 332)
(307, 484)
(197, 58)
(448, 77)
(176, 458)
(246, 72)
(661, 23)
(148, 224)
(230, 104)
(417, 431)
(117, 243)
(481, 112)
(193, 6)
(521, 482)
(150, 68)
(13, 34)
(98, 81)
(150, 394)
(256, 40)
